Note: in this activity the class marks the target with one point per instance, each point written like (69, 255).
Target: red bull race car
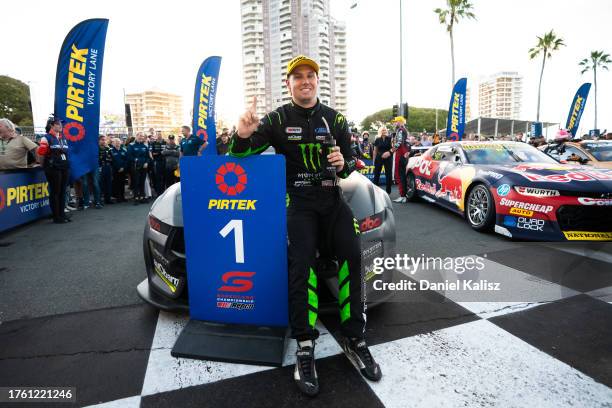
(515, 190)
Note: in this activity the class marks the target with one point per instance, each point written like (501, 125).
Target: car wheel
(480, 208)
(410, 187)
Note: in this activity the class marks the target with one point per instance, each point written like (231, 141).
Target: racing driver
(315, 210)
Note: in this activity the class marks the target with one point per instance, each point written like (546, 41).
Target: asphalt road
(96, 261)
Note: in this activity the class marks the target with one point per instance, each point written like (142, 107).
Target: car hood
(554, 176)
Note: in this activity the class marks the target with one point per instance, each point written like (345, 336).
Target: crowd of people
(137, 168)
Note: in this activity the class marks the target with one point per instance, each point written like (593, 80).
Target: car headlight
(536, 192)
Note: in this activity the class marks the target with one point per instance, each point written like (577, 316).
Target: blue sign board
(24, 197)
(236, 238)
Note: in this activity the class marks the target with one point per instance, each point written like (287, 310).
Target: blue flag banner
(78, 83)
(455, 125)
(204, 102)
(236, 239)
(577, 107)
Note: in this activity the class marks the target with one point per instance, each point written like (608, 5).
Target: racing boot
(305, 374)
(358, 353)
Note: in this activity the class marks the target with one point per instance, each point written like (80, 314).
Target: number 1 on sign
(235, 225)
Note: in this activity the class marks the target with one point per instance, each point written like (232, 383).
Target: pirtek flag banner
(577, 107)
(78, 83)
(455, 125)
(204, 102)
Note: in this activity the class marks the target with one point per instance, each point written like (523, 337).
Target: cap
(301, 60)
(400, 119)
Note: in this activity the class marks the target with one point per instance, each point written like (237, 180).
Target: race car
(596, 153)
(515, 190)
(166, 285)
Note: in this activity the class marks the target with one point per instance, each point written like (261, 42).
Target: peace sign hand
(248, 122)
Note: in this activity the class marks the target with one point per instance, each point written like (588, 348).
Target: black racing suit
(314, 212)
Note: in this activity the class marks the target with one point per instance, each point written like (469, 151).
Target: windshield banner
(455, 125)
(576, 108)
(204, 102)
(78, 82)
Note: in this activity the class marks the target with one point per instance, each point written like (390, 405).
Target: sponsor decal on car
(537, 192)
(533, 224)
(489, 173)
(168, 279)
(587, 236)
(520, 211)
(426, 187)
(526, 206)
(503, 190)
(594, 201)
(568, 177)
(510, 221)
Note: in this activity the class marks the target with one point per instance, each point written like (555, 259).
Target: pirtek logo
(237, 285)
(241, 178)
(310, 155)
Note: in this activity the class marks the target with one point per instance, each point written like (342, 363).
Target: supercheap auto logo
(231, 180)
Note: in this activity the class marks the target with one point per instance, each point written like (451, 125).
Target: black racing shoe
(305, 374)
(358, 353)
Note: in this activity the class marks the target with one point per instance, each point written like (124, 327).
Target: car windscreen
(504, 154)
(601, 151)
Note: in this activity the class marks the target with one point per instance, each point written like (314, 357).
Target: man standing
(401, 149)
(191, 145)
(223, 143)
(105, 170)
(119, 169)
(171, 154)
(138, 159)
(14, 148)
(315, 208)
(159, 167)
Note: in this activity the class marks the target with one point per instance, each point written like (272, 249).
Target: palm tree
(456, 10)
(598, 59)
(546, 45)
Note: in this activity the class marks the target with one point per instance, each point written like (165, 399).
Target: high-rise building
(500, 96)
(155, 109)
(275, 31)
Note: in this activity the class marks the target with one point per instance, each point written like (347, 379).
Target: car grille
(606, 194)
(585, 218)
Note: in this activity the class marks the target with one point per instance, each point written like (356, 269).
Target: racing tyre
(480, 208)
(410, 187)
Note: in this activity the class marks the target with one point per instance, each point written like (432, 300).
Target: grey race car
(164, 247)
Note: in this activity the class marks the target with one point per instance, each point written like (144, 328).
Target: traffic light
(395, 112)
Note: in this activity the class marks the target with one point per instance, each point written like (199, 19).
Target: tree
(597, 59)
(455, 11)
(419, 119)
(15, 101)
(546, 45)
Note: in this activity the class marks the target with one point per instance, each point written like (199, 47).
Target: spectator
(436, 139)
(119, 154)
(382, 156)
(138, 159)
(191, 145)
(171, 154)
(105, 169)
(54, 153)
(401, 148)
(223, 142)
(159, 166)
(426, 141)
(366, 146)
(14, 148)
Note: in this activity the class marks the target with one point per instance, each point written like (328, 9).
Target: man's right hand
(248, 122)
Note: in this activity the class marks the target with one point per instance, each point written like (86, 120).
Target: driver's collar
(306, 111)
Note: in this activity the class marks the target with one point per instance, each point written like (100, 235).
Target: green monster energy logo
(310, 154)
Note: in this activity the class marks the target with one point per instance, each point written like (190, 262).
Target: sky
(155, 44)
